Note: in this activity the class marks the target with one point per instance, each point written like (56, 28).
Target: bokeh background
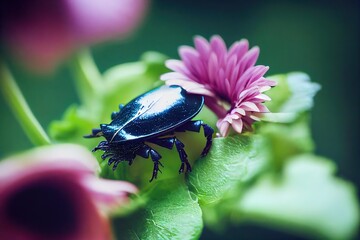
(320, 38)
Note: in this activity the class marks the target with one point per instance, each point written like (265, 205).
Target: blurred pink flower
(43, 32)
(53, 193)
(231, 83)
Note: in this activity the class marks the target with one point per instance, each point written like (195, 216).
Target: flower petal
(108, 193)
(174, 75)
(239, 49)
(238, 125)
(223, 127)
(219, 47)
(249, 106)
(233, 85)
(191, 87)
(203, 47)
(177, 66)
(43, 195)
(249, 59)
(213, 67)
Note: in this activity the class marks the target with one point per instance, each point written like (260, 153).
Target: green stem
(87, 76)
(20, 108)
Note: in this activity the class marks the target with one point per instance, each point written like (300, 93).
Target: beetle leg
(106, 155)
(116, 163)
(168, 142)
(103, 145)
(111, 160)
(114, 160)
(145, 151)
(183, 156)
(208, 132)
(195, 126)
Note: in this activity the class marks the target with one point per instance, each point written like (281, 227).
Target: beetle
(152, 117)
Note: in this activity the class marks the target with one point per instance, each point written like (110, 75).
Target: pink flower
(231, 83)
(43, 32)
(53, 193)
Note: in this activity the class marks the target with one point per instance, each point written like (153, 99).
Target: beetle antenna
(96, 132)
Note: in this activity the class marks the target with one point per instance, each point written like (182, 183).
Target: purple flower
(53, 193)
(231, 83)
(43, 32)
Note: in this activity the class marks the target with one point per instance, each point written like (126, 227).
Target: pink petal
(203, 47)
(255, 118)
(263, 97)
(227, 87)
(68, 157)
(230, 67)
(238, 125)
(191, 60)
(174, 75)
(249, 106)
(257, 73)
(97, 20)
(249, 76)
(213, 66)
(249, 59)
(262, 108)
(191, 87)
(239, 49)
(245, 93)
(264, 88)
(239, 111)
(223, 127)
(177, 66)
(219, 84)
(189, 55)
(214, 104)
(218, 46)
(108, 192)
(266, 83)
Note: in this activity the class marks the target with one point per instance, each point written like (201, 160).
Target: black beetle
(152, 117)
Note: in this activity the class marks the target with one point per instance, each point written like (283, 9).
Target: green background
(320, 38)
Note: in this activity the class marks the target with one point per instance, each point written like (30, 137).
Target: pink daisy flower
(53, 193)
(228, 78)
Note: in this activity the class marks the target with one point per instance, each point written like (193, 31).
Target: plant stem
(20, 108)
(87, 75)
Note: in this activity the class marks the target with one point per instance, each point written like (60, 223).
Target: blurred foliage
(305, 198)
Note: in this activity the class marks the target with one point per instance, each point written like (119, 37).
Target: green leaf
(293, 95)
(73, 127)
(287, 140)
(306, 198)
(278, 94)
(230, 161)
(172, 212)
(126, 81)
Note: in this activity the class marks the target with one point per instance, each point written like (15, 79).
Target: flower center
(43, 208)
